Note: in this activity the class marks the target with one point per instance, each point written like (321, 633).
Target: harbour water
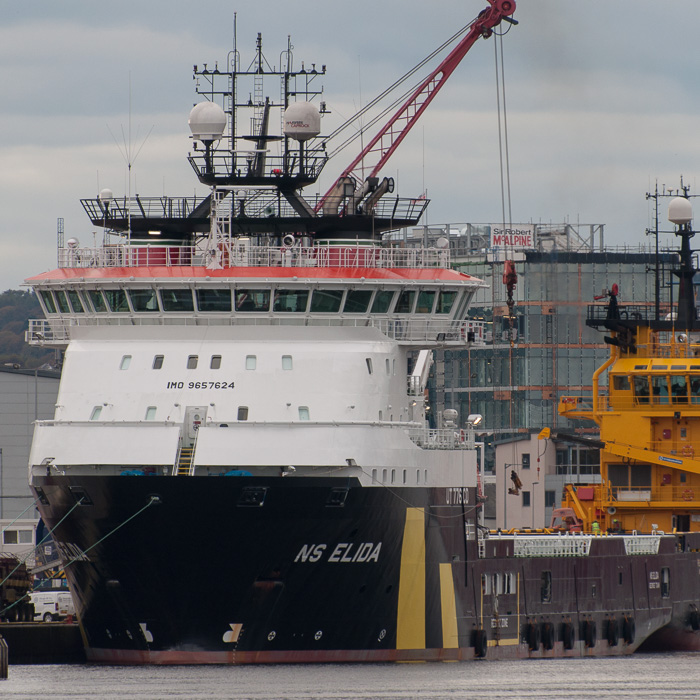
(639, 676)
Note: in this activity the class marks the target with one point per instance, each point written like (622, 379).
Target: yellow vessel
(649, 418)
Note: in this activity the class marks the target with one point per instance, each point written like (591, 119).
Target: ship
(242, 466)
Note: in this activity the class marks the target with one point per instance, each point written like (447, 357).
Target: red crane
(379, 149)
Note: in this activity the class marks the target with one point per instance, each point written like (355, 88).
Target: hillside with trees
(16, 308)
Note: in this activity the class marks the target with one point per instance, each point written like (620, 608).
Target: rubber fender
(568, 635)
(628, 630)
(590, 633)
(481, 643)
(547, 634)
(613, 632)
(533, 636)
(694, 620)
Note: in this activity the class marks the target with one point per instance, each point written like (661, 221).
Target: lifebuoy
(688, 494)
(688, 451)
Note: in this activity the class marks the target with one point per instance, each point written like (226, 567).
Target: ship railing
(57, 331)
(641, 544)
(441, 439)
(121, 208)
(235, 253)
(526, 545)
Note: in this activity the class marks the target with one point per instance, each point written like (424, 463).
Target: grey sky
(602, 101)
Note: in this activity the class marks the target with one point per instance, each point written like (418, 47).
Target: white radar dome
(72, 242)
(207, 121)
(302, 121)
(680, 211)
(106, 195)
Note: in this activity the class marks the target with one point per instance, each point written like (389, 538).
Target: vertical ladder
(184, 461)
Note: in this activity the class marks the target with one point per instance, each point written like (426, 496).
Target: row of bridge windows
(223, 300)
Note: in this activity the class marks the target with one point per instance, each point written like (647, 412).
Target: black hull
(169, 570)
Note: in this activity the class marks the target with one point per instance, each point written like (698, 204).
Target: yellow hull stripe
(410, 623)
(450, 636)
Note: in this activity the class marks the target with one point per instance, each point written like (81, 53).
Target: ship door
(194, 417)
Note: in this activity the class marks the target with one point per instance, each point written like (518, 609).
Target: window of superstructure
(405, 302)
(659, 387)
(387, 367)
(116, 300)
(357, 301)
(158, 361)
(192, 361)
(215, 362)
(62, 301)
(382, 302)
(287, 362)
(96, 413)
(214, 299)
(291, 300)
(144, 300)
(679, 389)
(621, 382)
(76, 302)
(243, 413)
(446, 300)
(177, 300)
(641, 389)
(546, 587)
(303, 413)
(151, 413)
(368, 361)
(426, 300)
(126, 361)
(326, 301)
(97, 300)
(251, 362)
(665, 582)
(393, 476)
(253, 300)
(49, 303)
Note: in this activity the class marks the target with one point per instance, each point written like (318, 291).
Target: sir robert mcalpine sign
(518, 238)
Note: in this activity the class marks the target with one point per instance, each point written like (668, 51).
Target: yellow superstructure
(649, 429)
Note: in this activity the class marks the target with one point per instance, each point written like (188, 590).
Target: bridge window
(291, 300)
(445, 302)
(426, 300)
(62, 302)
(47, 298)
(214, 299)
(621, 382)
(177, 300)
(405, 303)
(97, 300)
(252, 300)
(641, 389)
(660, 388)
(75, 302)
(679, 389)
(382, 302)
(357, 301)
(143, 300)
(326, 301)
(116, 300)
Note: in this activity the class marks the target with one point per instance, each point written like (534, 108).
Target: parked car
(52, 605)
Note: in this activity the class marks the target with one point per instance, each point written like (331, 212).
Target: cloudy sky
(603, 101)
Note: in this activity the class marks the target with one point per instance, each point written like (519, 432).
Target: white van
(52, 605)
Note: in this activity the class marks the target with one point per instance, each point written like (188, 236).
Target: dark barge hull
(185, 570)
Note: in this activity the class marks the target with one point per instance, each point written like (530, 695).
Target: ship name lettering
(175, 385)
(654, 584)
(345, 552)
(310, 552)
(456, 495)
(654, 575)
(499, 622)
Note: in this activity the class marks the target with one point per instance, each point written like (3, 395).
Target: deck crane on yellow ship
(352, 184)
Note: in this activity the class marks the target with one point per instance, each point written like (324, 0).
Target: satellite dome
(106, 195)
(680, 211)
(207, 121)
(302, 121)
(72, 242)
